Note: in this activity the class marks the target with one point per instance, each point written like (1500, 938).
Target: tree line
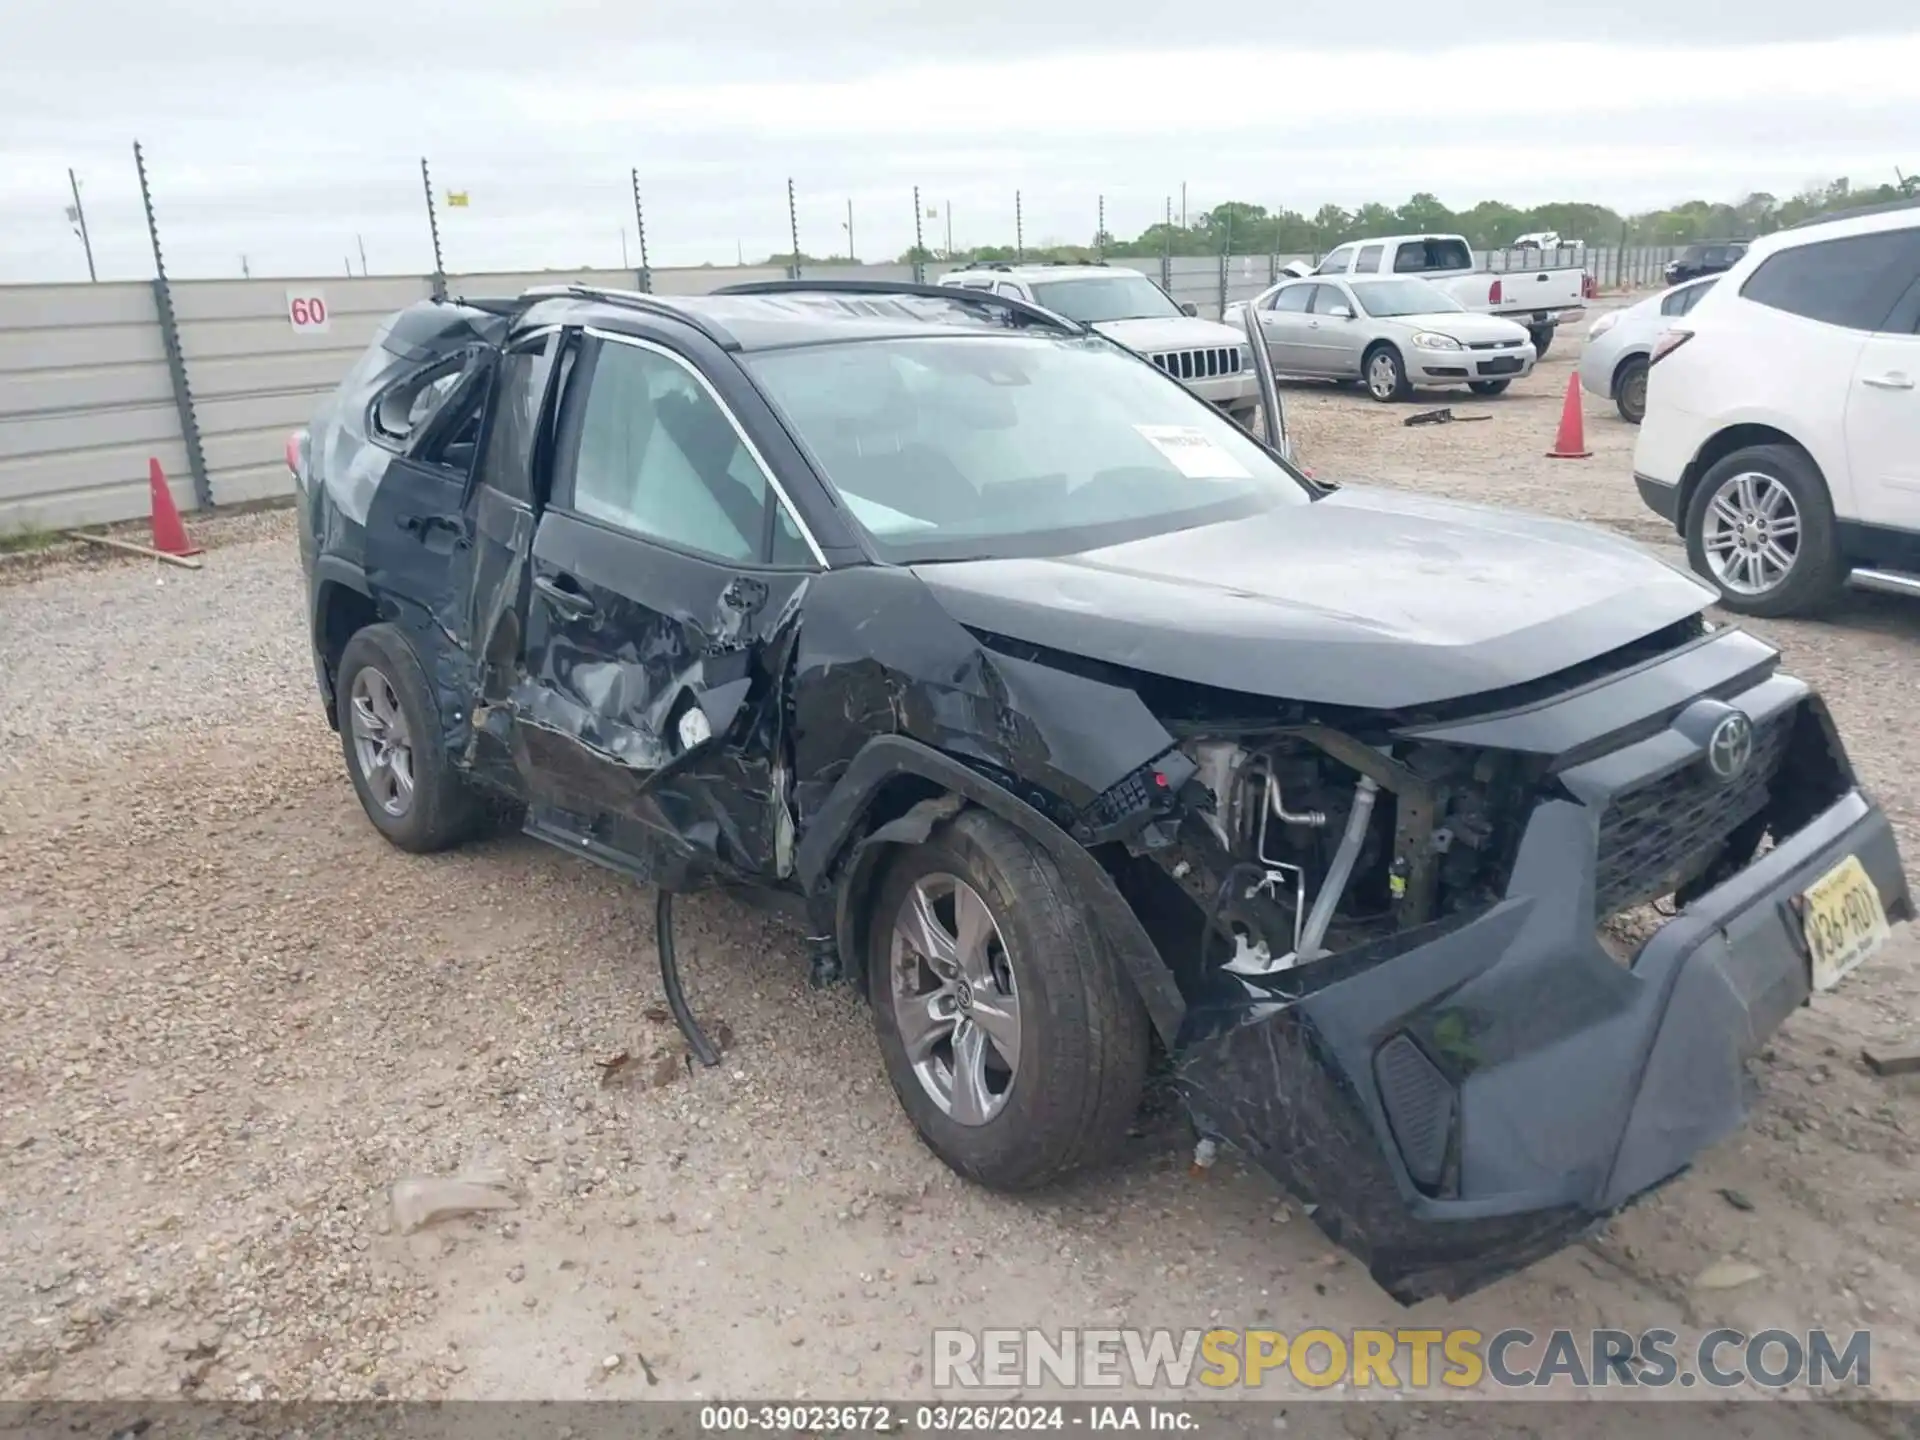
(1238, 227)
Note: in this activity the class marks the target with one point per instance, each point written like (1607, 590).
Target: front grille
(1198, 364)
(1494, 345)
(1656, 836)
(1505, 365)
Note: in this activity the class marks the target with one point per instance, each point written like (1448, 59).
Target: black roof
(779, 314)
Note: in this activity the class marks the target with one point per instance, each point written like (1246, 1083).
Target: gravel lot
(235, 1017)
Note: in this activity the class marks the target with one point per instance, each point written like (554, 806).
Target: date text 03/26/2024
(936, 1419)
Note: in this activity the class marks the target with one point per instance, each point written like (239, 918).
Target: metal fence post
(645, 276)
(433, 228)
(919, 242)
(170, 339)
(1226, 260)
(1019, 230)
(1166, 250)
(1100, 234)
(793, 231)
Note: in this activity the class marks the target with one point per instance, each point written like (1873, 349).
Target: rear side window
(1852, 282)
(1369, 261)
(1681, 301)
(1415, 257)
(1294, 298)
(507, 465)
(1335, 263)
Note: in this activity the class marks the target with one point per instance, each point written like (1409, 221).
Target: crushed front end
(1470, 982)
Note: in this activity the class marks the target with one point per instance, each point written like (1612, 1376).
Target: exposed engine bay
(1301, 843)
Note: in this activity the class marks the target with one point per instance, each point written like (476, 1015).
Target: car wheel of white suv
(1760, 527)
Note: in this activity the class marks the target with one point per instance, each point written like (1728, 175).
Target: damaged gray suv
(1450, 860)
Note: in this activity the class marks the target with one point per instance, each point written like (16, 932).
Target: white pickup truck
(1536, 298)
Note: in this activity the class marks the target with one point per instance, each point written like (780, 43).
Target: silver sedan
(1393, 335)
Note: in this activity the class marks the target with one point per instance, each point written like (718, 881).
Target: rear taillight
(1493, 293)
(295, 444)
(1668, 342)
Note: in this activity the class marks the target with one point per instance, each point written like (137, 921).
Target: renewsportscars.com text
(1452, 1359)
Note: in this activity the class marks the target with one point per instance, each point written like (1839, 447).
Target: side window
(1008, 288)
(1369, 261)
(1852, 282)
(1416, 257)
(507, 465)
(1336, 263)
(1295, 298)
(1326, 297)
(403, 409)
(1676, 303)
(1691, 296)
(659, 457)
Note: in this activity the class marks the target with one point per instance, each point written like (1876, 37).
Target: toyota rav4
(1078, 725)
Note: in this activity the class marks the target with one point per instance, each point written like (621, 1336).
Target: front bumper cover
(1563, 1082)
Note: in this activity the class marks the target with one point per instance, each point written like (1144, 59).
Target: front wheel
(1386, 375)
(1014, 1043)
(1760, 527)
(1488, 387)
(1542, 337)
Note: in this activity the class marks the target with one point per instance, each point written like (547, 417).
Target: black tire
(1402, 388)
(443, 809)
(1816, 576)
(1630, 390)
(1488, 387)
(1084, 1037)
(1542, 337)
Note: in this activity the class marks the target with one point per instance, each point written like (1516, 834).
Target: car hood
(1173, 332)
(1467, 328)
(1365, 598)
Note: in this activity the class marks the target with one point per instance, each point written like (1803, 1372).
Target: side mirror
(1341, 312)
(1187, 307)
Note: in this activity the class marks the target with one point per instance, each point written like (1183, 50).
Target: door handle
(563, 592)
(1892, 380)
(425, 525)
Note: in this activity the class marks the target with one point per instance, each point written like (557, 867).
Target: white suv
(1210, 359)
(1782, 433)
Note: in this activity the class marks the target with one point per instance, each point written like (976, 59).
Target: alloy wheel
(1382, 377)
(382, 743)
(1751, 533)
(954, 1000)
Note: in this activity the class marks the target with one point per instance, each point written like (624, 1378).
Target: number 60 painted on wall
(307, 312)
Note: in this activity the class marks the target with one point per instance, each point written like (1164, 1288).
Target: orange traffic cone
(1571, 442)
(169, 535)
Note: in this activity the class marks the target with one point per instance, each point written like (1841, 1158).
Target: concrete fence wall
(87, 394)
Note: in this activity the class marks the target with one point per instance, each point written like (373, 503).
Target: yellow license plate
(1845, 921)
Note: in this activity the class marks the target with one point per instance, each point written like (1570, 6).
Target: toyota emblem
(1730, 746)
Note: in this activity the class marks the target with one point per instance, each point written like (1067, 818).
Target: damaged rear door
(647, 723)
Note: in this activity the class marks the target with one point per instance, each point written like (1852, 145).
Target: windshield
(1122, 296)
(1385, 298)
(963, 447)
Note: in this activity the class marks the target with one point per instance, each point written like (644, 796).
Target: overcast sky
(291, 132)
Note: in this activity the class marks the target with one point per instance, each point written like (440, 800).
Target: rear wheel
(1760, 527)
(1014, 1043)
(1385, 374)
(1630, 390)
(389, 730)
(1542, 337)
(1488, 387)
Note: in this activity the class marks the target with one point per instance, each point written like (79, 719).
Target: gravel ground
(235, 1017)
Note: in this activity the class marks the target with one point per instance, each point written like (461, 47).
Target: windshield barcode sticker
(1193, 453)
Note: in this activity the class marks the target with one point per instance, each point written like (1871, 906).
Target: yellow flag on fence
(457, 197)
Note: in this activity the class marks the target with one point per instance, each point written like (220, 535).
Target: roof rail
(634, 300)
(1020, 309)
(986, 265)
(1885, 208)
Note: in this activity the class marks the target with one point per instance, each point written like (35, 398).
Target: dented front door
(645, 718)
